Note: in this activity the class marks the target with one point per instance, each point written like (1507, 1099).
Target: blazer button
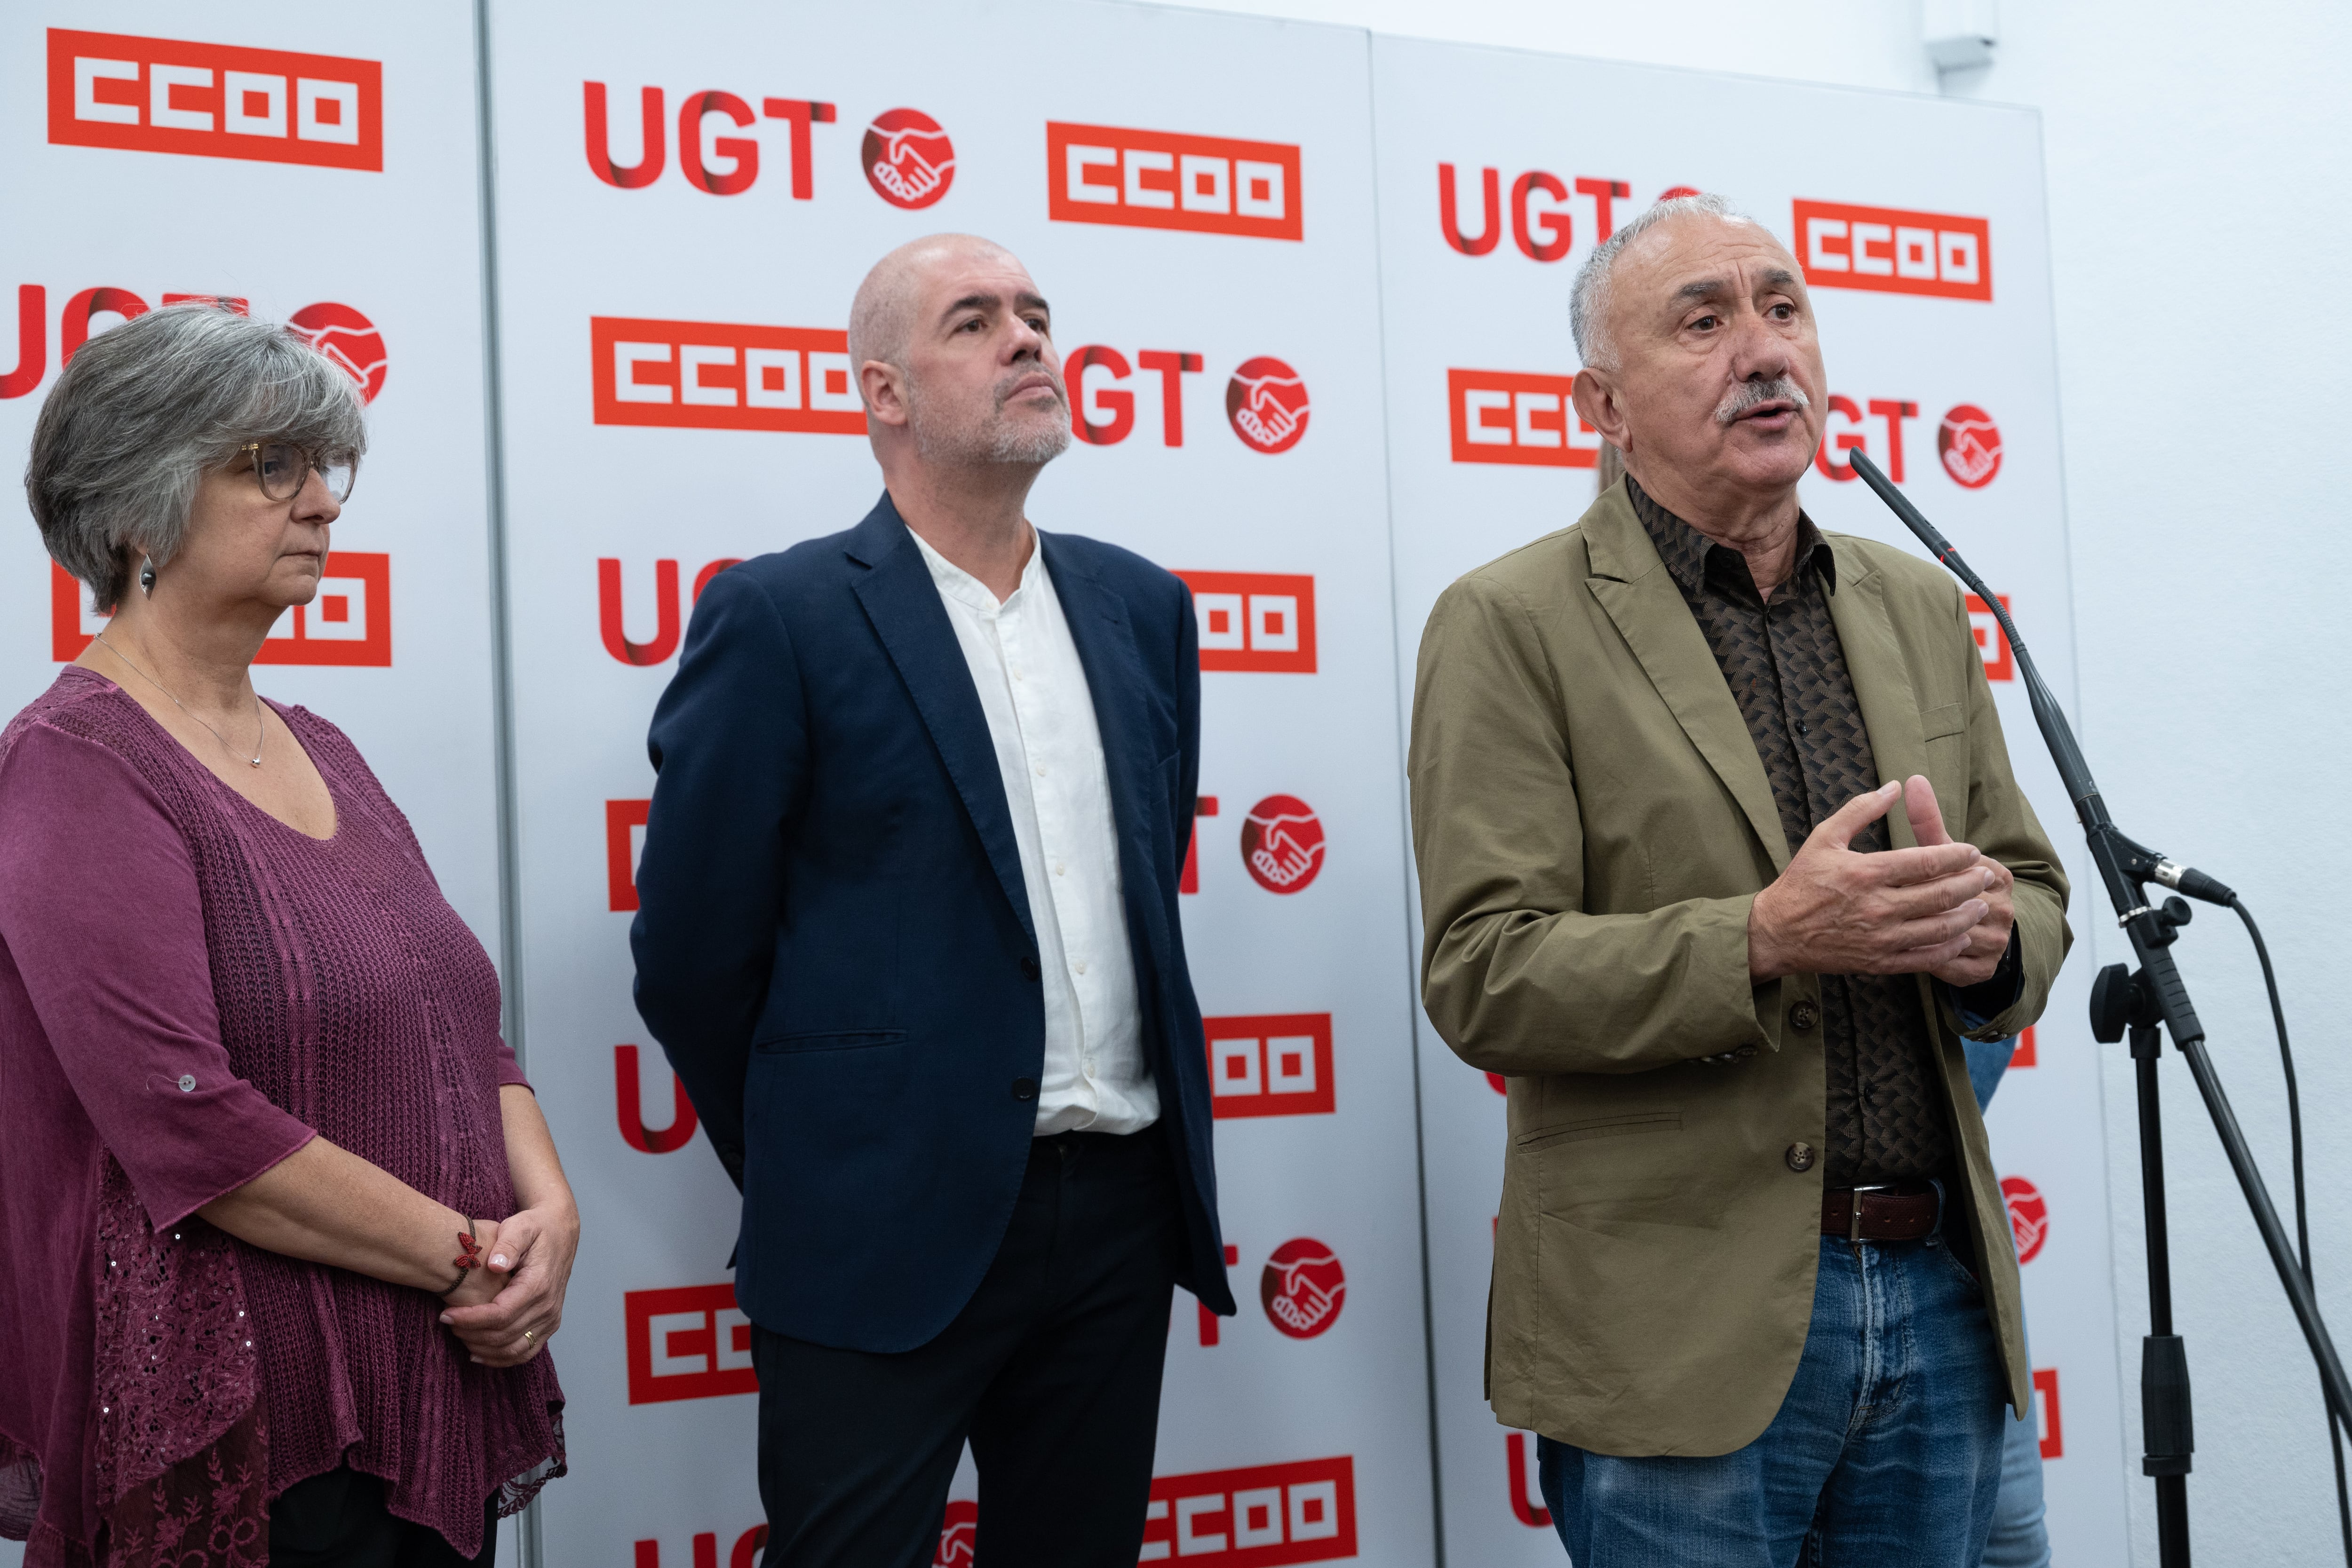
(1025, 1088)
(1804, 1015)
(1029, 968)
(1799, 1156)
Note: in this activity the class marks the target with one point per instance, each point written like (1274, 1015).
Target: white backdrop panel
(383, 260)
(1283, 528)
(1476, 332)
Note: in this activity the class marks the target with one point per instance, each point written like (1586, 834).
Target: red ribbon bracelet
(468, 1257)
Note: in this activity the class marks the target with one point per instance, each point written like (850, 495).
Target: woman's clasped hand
(506, 1310)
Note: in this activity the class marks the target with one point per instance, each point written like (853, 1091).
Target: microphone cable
(2302, 1206)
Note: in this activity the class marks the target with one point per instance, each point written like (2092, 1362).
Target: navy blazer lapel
(1105, 641)
(903, 604)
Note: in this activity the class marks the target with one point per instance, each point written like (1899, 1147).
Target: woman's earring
(147, 575)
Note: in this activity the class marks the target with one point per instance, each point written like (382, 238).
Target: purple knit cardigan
(189, 991)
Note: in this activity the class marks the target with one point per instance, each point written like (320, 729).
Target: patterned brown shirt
(1885, 1117)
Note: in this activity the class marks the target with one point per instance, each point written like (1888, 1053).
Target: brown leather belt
(1878, 1213)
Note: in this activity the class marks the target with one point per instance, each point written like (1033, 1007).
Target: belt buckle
(1854, 1210)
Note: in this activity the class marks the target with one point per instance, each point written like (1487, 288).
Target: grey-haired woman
(282, 1232)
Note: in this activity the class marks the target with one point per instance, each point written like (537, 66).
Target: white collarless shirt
(1040, 715)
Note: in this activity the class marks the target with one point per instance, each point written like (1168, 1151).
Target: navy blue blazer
(832, 939)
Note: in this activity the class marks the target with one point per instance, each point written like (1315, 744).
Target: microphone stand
(2139, 1000)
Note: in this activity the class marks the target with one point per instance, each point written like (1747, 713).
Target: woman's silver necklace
(260, 723)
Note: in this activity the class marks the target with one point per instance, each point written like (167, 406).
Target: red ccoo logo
(1259, 1516)
(1258, 621)
(723, 376)
(348, 339)
(1303, 1288)
(1516, 417)
(349, 622)
(2049, 1428)
(691, 1343)
(2029, 1216)
(1970, 444)
(1891, 251)
(1266, 402)
(213, 101)
(1170, 180)
(1282, 843)
(1993, 643)
(909, 160)
(1270, 1064)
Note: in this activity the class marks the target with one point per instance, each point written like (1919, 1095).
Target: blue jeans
(1885, 1454)
(2020, 1538)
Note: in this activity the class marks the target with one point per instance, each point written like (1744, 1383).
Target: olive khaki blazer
(1591, 822)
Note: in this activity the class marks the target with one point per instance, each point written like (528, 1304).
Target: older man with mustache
(1753, 1284)
(908, 931)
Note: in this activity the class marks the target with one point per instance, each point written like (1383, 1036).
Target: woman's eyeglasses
(283, 468)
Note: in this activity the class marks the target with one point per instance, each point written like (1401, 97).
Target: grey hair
(142, 410)
(1588, 301)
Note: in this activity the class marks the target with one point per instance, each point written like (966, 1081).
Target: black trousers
(339, 1520)
(1052, 1371)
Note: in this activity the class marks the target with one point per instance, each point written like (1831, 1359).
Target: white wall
(2197, 238)
(2191, 218)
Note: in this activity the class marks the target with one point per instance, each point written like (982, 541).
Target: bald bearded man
(908, 931)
